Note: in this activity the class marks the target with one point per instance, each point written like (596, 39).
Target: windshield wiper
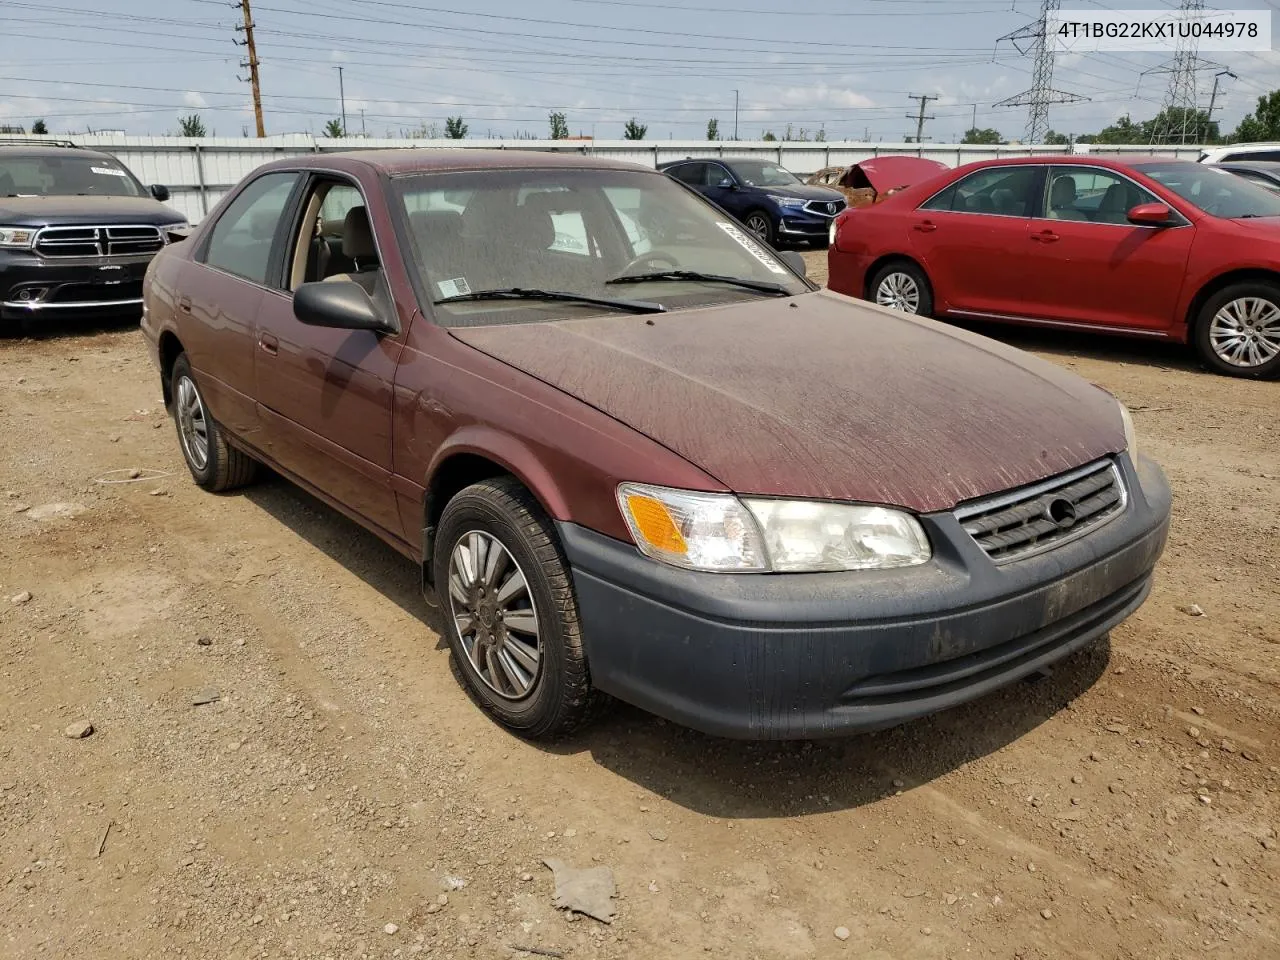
(519, 293)
(761, 286)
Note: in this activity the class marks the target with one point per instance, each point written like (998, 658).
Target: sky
(847, 67)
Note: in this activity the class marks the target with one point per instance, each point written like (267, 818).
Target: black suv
(77, 231)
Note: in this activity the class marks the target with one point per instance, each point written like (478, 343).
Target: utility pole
(363, 131)
(252, 64)
(1042, 93)
(735, 114)
(924, 99)
(342, 96)
(974, 124)
(1213, 97)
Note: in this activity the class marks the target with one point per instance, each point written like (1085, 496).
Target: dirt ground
(344, 798)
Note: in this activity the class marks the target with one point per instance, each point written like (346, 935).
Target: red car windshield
(1217, 192)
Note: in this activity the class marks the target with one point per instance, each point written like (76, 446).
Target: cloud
(193, 99)
(821, 95)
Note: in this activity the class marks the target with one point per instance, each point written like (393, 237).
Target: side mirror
(1150, 215)
(160, 192)
(337, 303)
(726, 184)
(794, 261)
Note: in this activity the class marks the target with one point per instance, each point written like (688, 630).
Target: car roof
(32, 150)
(1131, 162)
(409, 161)
(1262, 166)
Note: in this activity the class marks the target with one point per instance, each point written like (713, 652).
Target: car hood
(824, 396)
(888, 173)
(69, 211)
(804, 191)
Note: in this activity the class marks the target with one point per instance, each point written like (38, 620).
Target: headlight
(19, 237)
(831, 234)
(717, 532)
(1130, 435)
(180, 227)
(788, 201)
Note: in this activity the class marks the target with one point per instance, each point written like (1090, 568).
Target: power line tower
(252, 62)
(1042, 94)
(920, 118)
(1179, 117)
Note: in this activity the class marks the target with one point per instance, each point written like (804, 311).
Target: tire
(901, 285)
(1243, 318)
(557, 696)
(222, 466)
(760, 225)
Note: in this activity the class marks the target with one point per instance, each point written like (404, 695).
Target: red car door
(1092, 266)
(325, 395)
(969, 236)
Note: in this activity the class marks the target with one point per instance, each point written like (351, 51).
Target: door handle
(1045, 236)
(184, 304)
(926, 226)
(269, 344)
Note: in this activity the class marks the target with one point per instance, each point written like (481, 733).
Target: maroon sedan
(634, 451)
(1154, 248)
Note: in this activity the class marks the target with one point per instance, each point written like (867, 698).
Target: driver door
(324, 395)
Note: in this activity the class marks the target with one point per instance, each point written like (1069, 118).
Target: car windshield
(757, 173)
(1217, 192)
(65, 176)
(601, 235)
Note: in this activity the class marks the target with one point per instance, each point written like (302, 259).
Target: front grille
(825, 208)
(1028, 521)
(109, 241)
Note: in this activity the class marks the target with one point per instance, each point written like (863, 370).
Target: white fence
(199, 172)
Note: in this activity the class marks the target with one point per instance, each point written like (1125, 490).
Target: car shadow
(47, 328)
(710, 775)
(1070, 344)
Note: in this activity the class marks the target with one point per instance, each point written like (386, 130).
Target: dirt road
(342, 786)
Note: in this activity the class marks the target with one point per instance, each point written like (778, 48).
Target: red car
(1155, 248)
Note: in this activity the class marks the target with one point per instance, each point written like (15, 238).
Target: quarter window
(242, 239)
(694, 174)
(1001, 191)
(1090, 195)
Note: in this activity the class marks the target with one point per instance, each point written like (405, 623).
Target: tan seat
(1061, 197)
(359, 248)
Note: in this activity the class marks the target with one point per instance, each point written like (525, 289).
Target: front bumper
(799, 656)
(32, 286)
(800, 224)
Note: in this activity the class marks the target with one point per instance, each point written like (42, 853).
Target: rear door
(219, 293)
(1092, 266)
(325, 395)
(972, 239)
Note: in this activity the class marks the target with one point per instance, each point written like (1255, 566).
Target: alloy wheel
(899, 291)
(494, 615)
(1246, 332)
(193, 426)
(758, 225)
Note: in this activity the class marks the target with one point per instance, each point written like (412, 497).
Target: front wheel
(758, 223)
(214, 464)
(512, 615)
(1238, 331)
(902, 286)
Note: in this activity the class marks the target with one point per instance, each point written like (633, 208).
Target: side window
(694, 174)
(333, 244)
(716, 174)
(1092, 195)
(241, 240)
(1253, 155)
(1002, 191)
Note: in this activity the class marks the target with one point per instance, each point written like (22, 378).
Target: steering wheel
(657, 259)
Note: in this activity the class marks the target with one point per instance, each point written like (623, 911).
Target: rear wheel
(1238, 330)
(214, 464)
(512, 615)
(902, 285)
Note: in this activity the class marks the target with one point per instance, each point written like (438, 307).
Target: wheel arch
(881, 262)
(1220, 283)
(477, 454)
(169, 348)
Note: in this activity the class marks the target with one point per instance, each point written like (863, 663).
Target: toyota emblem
(1061, 512)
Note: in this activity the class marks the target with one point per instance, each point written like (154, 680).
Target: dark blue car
(768, 200)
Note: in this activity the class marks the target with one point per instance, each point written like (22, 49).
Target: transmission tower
(1042, 93)
(1178, 120)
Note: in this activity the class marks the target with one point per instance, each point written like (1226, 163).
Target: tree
(768, 135)
(986, 135)
(192, 126)
(39, 128)
(455, 129)
(1123, 130)
(713, 129)
(1057, 139)
(1169, 124)
(559, 126)
(820, 136)
(634, 131)
(1263, 123)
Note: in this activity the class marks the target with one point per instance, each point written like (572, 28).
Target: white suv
(1242, 151)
